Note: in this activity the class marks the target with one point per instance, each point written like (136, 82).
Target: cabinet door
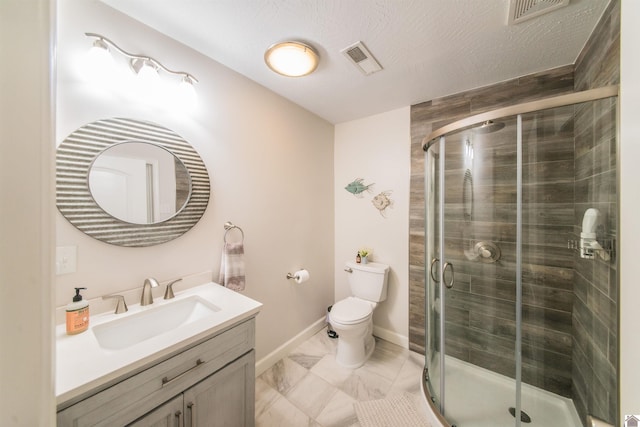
(226, 398)
(168, 415)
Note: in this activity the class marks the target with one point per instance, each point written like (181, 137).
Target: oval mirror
(139, 182)
(130, 183)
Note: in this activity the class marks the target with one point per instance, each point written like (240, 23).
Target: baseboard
(392, 337)
(272, 358)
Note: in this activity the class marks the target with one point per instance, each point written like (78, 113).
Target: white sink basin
(117, 344)
(154, 320)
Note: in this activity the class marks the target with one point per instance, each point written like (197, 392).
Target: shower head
(488, 127)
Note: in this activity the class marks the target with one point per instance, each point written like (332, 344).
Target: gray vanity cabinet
(210, 383)
(223, 399)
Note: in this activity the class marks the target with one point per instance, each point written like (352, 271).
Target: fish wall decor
(357, 187)
(382, 202)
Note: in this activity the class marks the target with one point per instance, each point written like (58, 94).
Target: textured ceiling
(427, 48)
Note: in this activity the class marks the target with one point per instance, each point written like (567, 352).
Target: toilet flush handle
(348, 270)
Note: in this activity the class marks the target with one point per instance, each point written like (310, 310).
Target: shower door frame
(438, 137)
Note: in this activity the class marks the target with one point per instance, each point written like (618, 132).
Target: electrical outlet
(65, 259)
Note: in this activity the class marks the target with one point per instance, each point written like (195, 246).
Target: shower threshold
(477, 397)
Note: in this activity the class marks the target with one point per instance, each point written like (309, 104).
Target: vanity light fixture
(186, 92)
(146, 67)
(100, 53)
(99, 64)
(292, 58)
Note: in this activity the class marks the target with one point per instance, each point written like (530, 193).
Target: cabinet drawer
(139, 394)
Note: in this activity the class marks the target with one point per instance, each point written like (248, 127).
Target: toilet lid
(350, 310)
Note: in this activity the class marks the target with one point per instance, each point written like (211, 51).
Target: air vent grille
(356, 54)
(360, 56)
(521, 10)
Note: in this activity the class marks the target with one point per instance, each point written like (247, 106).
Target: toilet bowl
(352, 317)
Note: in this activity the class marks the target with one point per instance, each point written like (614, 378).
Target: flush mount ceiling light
(291, 59)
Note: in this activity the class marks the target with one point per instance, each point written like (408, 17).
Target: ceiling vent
(359, 56)
(521, 10)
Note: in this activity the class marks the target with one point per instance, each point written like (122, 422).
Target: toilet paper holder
(300, 276)
(293, 276)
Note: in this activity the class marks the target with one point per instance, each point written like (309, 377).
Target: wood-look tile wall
(434, 114)
(481, 306)
(595, 305)
(551, 305)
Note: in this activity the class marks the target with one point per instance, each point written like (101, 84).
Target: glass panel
(432, 251)
(569, 312)
(525, 212)
(480, 241)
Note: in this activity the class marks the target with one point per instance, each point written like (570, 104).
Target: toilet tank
(368, 281)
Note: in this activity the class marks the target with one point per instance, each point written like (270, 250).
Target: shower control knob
(487, 252)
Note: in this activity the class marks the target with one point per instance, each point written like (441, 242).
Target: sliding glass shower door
(471, 241)
(520, 270)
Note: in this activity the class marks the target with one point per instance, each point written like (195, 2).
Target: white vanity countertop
(82, 364)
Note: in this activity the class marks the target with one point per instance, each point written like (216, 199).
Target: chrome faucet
(121, 305)
(168, 293)
(147, 297)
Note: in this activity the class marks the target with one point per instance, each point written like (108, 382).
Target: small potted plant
(364, 254)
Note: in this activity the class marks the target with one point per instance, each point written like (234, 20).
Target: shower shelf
(606, 252)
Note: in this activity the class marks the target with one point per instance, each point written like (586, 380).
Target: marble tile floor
(309, 388)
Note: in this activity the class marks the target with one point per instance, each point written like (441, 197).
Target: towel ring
(228, 226)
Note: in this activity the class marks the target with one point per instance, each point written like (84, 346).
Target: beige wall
(630, 206)
(271, 168)
(26, 206)
(376, 149)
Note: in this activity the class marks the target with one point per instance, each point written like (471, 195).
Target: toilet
(352, 317)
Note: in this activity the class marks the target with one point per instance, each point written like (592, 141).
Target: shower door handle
(433, 263)
(449, 284)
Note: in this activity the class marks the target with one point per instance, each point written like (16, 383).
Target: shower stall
(521, 222)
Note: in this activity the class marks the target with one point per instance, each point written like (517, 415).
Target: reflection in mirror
(139, 182)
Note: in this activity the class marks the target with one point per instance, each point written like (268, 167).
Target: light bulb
(149, 84)
(148, 74)
(186, 96)
(99, 65)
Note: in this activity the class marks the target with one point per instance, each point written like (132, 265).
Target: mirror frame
(74, 158)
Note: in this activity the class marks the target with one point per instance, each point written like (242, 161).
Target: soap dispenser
(77, 314)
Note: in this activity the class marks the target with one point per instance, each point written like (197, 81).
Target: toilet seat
(350, 311)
